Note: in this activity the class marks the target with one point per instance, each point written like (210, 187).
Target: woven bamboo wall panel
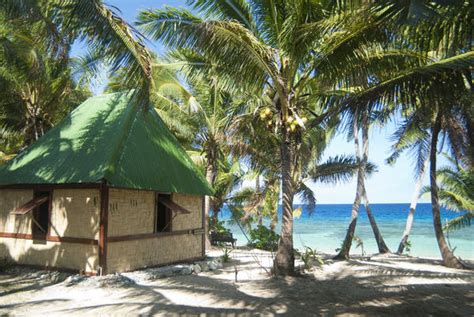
(188, 221)
(52, 254)
(9, 200)
(75, 213)
(131, 212)
(135, 254)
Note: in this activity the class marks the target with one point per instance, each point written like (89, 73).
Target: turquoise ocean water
(326, 228)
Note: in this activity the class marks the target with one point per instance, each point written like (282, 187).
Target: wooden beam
(103, 227)
(151, 235)
(26, 236)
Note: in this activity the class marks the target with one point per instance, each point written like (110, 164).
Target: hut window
(163, 214)
(40, 218)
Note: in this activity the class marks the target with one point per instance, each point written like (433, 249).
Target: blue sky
(391, 184)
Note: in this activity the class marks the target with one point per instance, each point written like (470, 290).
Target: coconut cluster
(292, 124)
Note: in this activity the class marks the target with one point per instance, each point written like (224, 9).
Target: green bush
(407, 247)
(226, 255)
(263, 238)
(217, 226)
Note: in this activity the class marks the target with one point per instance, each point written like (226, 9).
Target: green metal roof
(110, 138)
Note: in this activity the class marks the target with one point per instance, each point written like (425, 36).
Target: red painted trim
(151, 235)
(103, 227)
(50, 213)
(73, 240)
(27, 236)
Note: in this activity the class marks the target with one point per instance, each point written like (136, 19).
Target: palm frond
(338, 169)
(459, 222)
(237, 10)
(307, 197)
(108, 35)
(412, 79)
(229, 44)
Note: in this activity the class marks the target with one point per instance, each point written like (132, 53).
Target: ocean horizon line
(372, 203)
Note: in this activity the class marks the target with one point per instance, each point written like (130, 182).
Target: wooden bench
(217, 237)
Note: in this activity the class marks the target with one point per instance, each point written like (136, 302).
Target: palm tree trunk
(210, 177)
(274, 220)
(449, 259)
(284, 263)
(347, 243)
(215, 214)
(411, 212)
(375, 229)
(365, 156)
(257, 191)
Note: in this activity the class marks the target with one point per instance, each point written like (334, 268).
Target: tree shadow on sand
(374, 291)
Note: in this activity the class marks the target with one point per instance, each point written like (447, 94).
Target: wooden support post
(103, 227)
(203, 227)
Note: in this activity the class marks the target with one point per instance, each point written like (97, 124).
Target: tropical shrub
(407, 247)
(263, 238)
(309, 256)
(226, 255)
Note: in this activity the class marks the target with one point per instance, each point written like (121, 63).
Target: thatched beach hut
(109, 189)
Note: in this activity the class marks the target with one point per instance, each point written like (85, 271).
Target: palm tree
(35, 66)
(61, 22)
(212, 120)
(277, 46)
(256, 144)
(382, 247)
(37, 85)
(451, 118)
(361, 194)
(441, 34)
(413, 136)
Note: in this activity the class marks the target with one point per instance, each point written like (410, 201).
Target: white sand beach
(371, 286)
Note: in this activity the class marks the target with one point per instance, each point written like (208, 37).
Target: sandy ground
(380, 285)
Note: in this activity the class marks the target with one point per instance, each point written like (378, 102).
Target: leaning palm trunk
(375, 229)
(449, 259)
(285, 259)
(346, 245)
(365, 141)
(411, 212)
